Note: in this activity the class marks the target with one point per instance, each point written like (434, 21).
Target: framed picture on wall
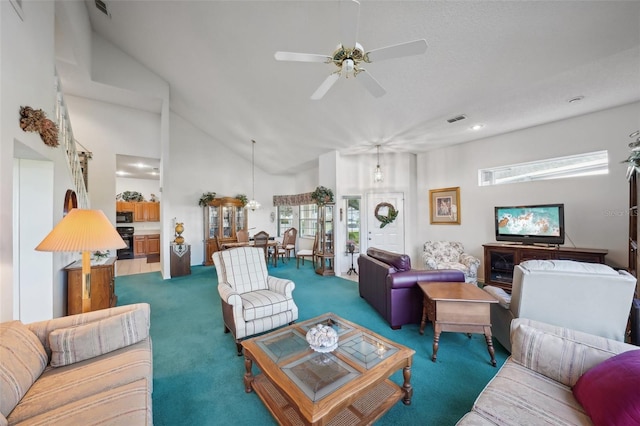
(444, 206)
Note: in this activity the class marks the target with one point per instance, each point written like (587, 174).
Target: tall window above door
(352, 207)
(285, 219)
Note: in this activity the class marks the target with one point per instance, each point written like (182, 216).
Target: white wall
(202, 165)
(589, 201)
(355, 177)
(106, 130)
(26, 78)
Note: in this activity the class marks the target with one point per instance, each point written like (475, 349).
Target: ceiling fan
(349, 55)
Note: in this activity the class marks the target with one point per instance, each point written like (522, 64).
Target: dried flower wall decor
(35, 120)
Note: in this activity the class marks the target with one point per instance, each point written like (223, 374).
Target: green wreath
(393, 214)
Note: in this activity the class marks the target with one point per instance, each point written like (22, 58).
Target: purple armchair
(388, 283)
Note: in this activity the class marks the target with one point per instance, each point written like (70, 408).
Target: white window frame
(308, 221)
(586, 164)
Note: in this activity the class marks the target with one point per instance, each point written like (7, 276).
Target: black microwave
(124, 217)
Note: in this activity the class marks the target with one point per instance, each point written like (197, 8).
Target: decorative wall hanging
(385, 213)
(444, 205)
(35, 120)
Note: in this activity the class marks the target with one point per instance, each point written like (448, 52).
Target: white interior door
(391, 236)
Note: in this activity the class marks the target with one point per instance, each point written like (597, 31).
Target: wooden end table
(458, 307)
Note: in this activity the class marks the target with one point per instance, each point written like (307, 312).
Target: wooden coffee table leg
(487, 336)
(408, 389)
(424, 315)
(437, 329)
(248, 375)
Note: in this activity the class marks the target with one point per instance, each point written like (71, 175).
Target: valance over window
(292, 200)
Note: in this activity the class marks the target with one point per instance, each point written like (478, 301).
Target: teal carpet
(198, 375)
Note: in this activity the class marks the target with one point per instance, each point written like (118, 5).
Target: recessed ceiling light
(576, 99)
(122, 173)
(477, 126)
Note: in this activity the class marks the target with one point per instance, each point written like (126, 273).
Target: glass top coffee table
(349, 385)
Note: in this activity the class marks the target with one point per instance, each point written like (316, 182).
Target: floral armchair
(450, 255)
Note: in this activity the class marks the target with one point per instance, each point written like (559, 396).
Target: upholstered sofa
(450, 255)
(387, 281)
(559, 376)
(93, 368)
(588, 297)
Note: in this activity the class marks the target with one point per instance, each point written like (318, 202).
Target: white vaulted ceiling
(507, 65)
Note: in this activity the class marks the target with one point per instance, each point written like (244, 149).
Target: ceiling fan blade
(349, 17)
(415, 47)
(301, 57)
(370, 83)
(325, 86)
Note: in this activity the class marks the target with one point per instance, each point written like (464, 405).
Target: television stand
(500, 259)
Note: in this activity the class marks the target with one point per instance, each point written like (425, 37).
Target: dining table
(270, 243)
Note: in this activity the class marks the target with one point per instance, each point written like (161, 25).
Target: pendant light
(378, 176)
(253, 204)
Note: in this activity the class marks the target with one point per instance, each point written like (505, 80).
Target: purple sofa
(388, 283)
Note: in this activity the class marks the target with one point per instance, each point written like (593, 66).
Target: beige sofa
(587, 297)
(92, 368)
(534, 386)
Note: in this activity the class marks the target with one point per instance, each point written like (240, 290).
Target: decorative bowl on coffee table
(322, 338)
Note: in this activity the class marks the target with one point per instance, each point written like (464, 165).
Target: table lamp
(84, 231)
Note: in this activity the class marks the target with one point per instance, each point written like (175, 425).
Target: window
(353, 222)
(285, 219)
(588, 164)
(308, 220)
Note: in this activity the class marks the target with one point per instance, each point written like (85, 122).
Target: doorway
(390, 236)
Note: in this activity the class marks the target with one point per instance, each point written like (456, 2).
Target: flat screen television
(533, 224)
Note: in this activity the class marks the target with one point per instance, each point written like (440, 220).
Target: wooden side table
(180, 260)
(459, 307)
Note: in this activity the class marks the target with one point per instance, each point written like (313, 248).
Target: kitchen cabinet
(124, 206)
(144, 245)
(223, 218)
(139, 245)
(143, 211)
(102, 286)
(146, 212)
(153, 244)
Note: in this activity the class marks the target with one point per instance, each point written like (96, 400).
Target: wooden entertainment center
(500, 258)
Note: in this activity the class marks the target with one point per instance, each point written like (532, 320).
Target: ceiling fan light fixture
(378, 176)
(347, 66)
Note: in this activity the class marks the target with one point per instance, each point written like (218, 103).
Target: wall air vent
(102, 7)
(454, 119)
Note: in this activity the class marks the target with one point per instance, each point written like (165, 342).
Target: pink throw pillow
(610, 391)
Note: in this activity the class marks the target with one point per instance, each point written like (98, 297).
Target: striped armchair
(252, 301)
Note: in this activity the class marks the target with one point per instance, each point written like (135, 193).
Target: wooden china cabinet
(223, 218)
(325, 253)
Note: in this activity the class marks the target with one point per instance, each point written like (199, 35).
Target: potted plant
(206, 198)
(322, 195)
(243, 198)
(132, 196)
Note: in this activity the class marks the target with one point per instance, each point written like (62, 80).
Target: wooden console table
(499, 259)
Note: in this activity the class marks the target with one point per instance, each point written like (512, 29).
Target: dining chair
(219, 244)
(290, 245)
(242, 236)
(303, 253)
(261, 240)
